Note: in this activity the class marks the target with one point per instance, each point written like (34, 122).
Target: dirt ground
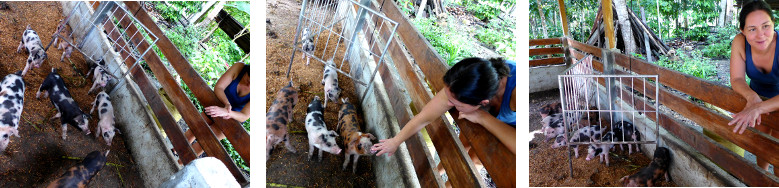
(294, 169)
(38, 157)
(549, 167)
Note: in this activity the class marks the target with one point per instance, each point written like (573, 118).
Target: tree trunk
(624, 24)
(543, 19)
(421, 9)
(723, 11)
(659, 19)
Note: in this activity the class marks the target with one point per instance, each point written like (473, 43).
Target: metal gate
(103, 22)
(326, 22)
(591, 98)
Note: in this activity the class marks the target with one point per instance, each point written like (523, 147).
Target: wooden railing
(752, 140)
(200, 125)
(546, 51)
(497, 159)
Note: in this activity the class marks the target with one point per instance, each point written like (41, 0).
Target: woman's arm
(224, 81)
(505, 133)
(432, 110)
(241, 116)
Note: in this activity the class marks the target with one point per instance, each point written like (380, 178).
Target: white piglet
(330, 81)
(105, 127)
(318, 135)
(32, 44)
(11, 105)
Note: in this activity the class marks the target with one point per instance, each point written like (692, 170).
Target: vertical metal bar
(297, 35)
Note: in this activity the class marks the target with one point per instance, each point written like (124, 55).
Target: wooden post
(231, 27)
(608, 20)
(563, 18)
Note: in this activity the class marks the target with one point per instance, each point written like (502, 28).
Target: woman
(754, 52)
(481, 90)
(233, 90)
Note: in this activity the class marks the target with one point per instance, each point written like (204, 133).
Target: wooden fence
(546, 51)
(498, 160)
(718, 95)
(198, 123)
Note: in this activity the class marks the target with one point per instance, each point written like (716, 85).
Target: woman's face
(460, 106)
(759, 30)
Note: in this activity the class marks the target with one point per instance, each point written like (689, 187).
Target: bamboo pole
(608, 19)
(564, 18)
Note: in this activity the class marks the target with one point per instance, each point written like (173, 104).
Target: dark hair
(751, 7)
(475, 79)
(249, 70)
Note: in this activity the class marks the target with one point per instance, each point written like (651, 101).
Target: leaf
(240, 5)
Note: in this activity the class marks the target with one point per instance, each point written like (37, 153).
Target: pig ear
(333, 131)
(369, 135)
(3, 92)
(15, 132)
(117, 131)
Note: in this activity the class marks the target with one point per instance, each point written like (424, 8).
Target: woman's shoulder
(738, 40)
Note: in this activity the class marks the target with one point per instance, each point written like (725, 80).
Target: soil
(550, 168)
(38, 156)
(294, 169)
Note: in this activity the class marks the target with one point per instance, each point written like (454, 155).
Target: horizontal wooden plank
(189, 113)
(715, 94)
(547, 62)
(597, 65)
(166, 120)
(752, 140)
(549, 41)
(420, 156)
(233, 131)
(747, 172)
(545, 51)
(453, 155)
(595, 51)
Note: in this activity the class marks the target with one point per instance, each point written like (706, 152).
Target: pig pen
(549, 167)
(294, 169)
(40, 155)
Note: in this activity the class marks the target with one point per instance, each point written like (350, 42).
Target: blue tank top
(505, 114)
(764, 84)
(231, 92)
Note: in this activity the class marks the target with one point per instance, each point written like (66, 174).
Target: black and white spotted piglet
(585, 134)
(330, 81)
(625, 131)
(101, 78)
(602, 149)
(307, 44)
(12, 98)
(318, 135)
(67, 109)
(105, 127)
(32, 43)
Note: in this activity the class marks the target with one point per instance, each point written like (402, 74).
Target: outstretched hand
(216, 111)
(749, 117)
(387, 146)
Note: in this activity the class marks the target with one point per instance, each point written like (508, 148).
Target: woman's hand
(475, 116)
(216, 111)
(749, 117)
(387, 146)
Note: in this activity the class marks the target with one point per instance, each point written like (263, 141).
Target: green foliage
(406, 6)
(234, 154)
(173, 10)
(239, 10)
(695, 65)
(719, 43)
(453, 46)
(499, 35)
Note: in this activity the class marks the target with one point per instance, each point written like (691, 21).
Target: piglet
(601, 149)
(307, 44)
(66, 47)
(105, 127)
(279, 114)
(648, 175)
(330, 81)
(101, 78)
(12, 98)
(625, 131)
(356, 142)
(81, 174)
(552, 126)
(549, 109)
(585, 134)
(67, 109)
(32, 43)
(318, 135)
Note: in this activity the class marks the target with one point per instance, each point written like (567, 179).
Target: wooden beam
(608, 18)
(166, 120)
(550, 41)
(702, 89)
(232, 130)
(595, 51)
(453, 156)
(745, 171)
(546, 51)
(424, 166)
(231, 27)
(546, 62)
(563, 18)
(199, 127)
(204, 10)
